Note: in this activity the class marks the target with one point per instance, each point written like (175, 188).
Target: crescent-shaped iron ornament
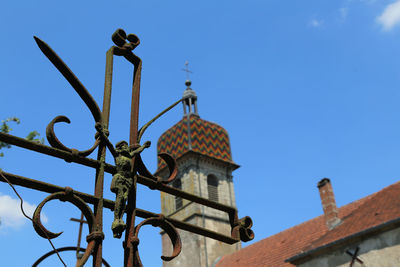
(82, 92)
(68, 196)
(165, 225)
(56, 143)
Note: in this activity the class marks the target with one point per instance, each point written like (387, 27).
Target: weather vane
(129, 169)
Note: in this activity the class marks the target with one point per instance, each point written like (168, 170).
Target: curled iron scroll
(243, 227)
(55, 142)
(123, 47)
(67, 195)
(79, 88)
(165, 225)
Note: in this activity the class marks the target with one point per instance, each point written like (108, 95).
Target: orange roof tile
(357, 216)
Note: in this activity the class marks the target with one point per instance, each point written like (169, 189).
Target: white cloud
(316, 23)
(390, 16)
(11, 215)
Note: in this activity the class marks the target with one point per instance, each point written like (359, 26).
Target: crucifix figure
(122, 180)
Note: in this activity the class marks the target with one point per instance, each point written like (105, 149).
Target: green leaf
(5, 128)
(32, 137)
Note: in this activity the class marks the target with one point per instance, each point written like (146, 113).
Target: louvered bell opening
(178, 200)
(212, 185)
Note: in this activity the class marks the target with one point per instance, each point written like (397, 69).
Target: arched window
(178, 200)
(212, 186)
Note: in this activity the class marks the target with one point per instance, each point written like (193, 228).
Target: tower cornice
(193, 155)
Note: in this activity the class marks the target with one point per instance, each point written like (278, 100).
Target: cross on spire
(186, 69)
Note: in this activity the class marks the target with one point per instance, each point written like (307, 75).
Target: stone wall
(381, 250)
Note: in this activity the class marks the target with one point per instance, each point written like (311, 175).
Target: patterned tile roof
(202, 136)
(357, 216)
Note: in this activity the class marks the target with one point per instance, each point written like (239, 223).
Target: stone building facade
(205, 165)
(381, 250)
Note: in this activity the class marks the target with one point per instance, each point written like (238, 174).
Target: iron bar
(133, 142)
(50, 188)
(55, 152)
(21, 142)
(109, 204)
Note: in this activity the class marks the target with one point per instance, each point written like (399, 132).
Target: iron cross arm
(129, 169)
(109, 204)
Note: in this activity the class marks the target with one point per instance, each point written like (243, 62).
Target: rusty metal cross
(129, 169)
(354, 256)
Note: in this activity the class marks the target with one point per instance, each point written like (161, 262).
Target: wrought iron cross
(354, 256)
(128, 170)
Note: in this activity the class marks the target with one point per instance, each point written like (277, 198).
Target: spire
(189, 100)
(189, 96)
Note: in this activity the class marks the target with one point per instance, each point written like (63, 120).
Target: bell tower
(203, 154)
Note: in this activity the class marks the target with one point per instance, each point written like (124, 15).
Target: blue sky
(306, 90)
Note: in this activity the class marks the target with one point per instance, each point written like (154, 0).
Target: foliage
(5, 128)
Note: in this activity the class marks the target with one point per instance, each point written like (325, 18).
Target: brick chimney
(328, 203)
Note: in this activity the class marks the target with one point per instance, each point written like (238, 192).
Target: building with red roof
(363, 233)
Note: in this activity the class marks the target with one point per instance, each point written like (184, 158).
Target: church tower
(205, 166)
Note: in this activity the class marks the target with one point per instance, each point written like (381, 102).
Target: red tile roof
(357, 216)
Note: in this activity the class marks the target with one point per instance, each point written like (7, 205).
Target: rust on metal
(129, 169)
(52, 252)
(81, 222)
